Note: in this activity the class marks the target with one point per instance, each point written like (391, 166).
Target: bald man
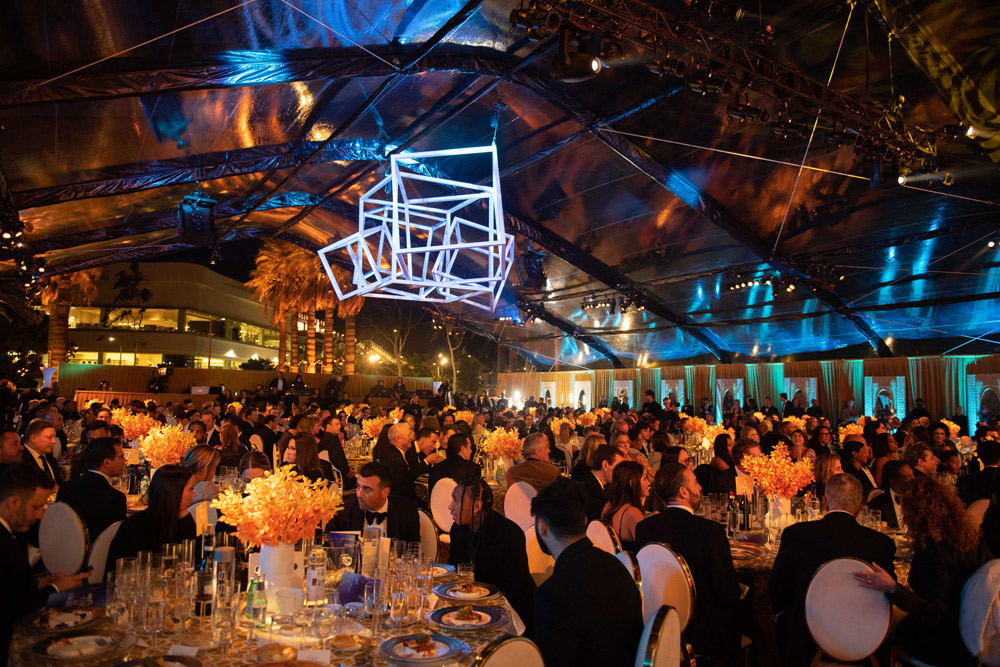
(393, 456)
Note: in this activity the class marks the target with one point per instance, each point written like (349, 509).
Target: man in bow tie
(375, 506)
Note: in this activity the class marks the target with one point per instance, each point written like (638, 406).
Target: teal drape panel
(690, 390)
(956, 370)
(854, 373)
(829, 389)
(772, 380)
(753, 386)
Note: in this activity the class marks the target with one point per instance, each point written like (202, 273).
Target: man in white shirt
(39, 439)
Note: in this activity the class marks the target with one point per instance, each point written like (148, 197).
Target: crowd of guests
(629, 469)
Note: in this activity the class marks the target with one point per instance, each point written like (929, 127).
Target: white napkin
(188, 651)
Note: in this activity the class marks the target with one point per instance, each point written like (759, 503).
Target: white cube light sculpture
(408, 247)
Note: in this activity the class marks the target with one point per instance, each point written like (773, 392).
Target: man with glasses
(91, 495)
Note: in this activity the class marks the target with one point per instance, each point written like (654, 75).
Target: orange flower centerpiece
(857, 428)
(166, 445)
(953, 429)
(780, 478)
(587, 419)
(556, 425)
(373, 427)
(713, 431)
(278, 510)
(396, 414)
(135, 426)
(759, 416)
(464, 416)
(695, 425)
(501, 443)
(796, 422)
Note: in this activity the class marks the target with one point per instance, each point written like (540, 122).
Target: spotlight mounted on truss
(409, 243)
(571, 66)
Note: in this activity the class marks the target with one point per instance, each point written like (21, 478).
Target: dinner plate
(745, 551)
(406, 650)
(476, 590)
(339, 643)
(447, 618)
(81, 645)
(66, 619)
(162, 661)
(439, 570)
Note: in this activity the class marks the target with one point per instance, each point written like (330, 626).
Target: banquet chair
(660, 645)
(847, 621)
(258, 445)
(62, 539)
(666, 580)
(440, 500)
(603, 537)
(98, 557)
(977, 510)
(979, 613)
(626, 559)
(428, 535)
(517, 504)
(540, 564)
(873, 494)
(508, 651)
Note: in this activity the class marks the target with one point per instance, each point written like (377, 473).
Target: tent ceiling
(283, 112)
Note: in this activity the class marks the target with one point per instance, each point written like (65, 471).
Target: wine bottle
(733, 516)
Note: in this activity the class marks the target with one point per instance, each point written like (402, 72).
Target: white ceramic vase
(779, 514)
(277, 564)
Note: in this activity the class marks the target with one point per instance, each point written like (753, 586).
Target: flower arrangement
(348, 409)
(587, 419)
(373, 427)
(710, 433)
(396, 414)
(501, 442)
(135, 427)
(166, 445)
(759, 416)
(556, 425)
(778, 475)
(796, 422)
(954, 429)
(449, 408)
(857, 428)
(531, 411)
(464, 416)
(279, 508)
(683, 415)
(235, 407)
(695, 425)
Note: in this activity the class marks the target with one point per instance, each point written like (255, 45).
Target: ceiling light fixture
(573, 66)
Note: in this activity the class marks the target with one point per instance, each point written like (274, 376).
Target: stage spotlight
(706, 84)
(667, 66)
(539, 22)
(612, 48)
(786, 129)
(573, 67)
(972, 132)
(746, 112)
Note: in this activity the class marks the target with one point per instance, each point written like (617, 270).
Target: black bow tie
(375, 518)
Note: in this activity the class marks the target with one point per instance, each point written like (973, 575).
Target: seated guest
(253, 465)
(626, 498)
(947, 551)
(231, 449)
(713, 630)
(165, 521)
(203, 461)
(24, 492)
(977, 485)
(807, 545)
(585, 460)
(95, 501)
(991, 520)
(375, 506)
(922, 460)
(589, 612)
(493, 544)
(675, 454)
(457, 465)
(39, 439)
(896, 477)
(721, 462)
(393, 455)
(950, 463)
(884, 449)
(857, 454)
(595, 484)
(827, 465)
(535, 469)
(301, 452)
(660, 443)
(10, 448)
(332, 442)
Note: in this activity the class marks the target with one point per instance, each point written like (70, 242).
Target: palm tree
(272, 285)
(58, 294)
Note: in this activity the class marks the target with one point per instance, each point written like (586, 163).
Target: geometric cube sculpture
(434, 239)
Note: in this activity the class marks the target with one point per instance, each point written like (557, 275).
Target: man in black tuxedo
(393, 456)
(91, 495)
(458, 465)
(24, 491)
(595, 482)
(376, 506)
(39, 439)
(10, 448)
(279, 385)
(265, 429)
(589, 612)
(714, 630)
(330, 443)
(651, 406)
(857, 454)
(921, 458)
(808, 545)
(977, 485)
(770, 410)
(212, 436)
(494, 544)
(896, 475)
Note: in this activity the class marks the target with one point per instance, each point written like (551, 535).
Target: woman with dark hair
(884, 449)
(938, 436)
(720, 463)
(659, 444)
(947, 551)
(304, 455)
(165, 521)
(799, 450)
(253, 465)
(921, 434)
(676, 454)
(627, 493)
(230, 452)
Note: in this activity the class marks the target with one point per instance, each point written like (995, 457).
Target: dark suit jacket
(402, 474)
(56, 470)
(139, 532)
(21, 594)
(804, 547)
(214, 440)
(866, 484)
(977, 485)
(268, 437)
(883, 503)
(454, 467)
(403, 522)
(589, 611)
(713, 630)
(501, 558)
(597, 497)
(95, 501)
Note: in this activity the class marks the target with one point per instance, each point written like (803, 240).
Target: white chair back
(874, 493)
(338, 477)
(603, 537)
(626, 559)
(62, 539)
(979, 617)
(847, 621)
(428, 536)
(440, 500)
(517, 504)
(540, 564)
(258, 445)
(977, 510)
(666, 580)
(507, 651)
(660, 645)
(98, 558)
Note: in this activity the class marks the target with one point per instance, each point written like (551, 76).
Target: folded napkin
(352, 587)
